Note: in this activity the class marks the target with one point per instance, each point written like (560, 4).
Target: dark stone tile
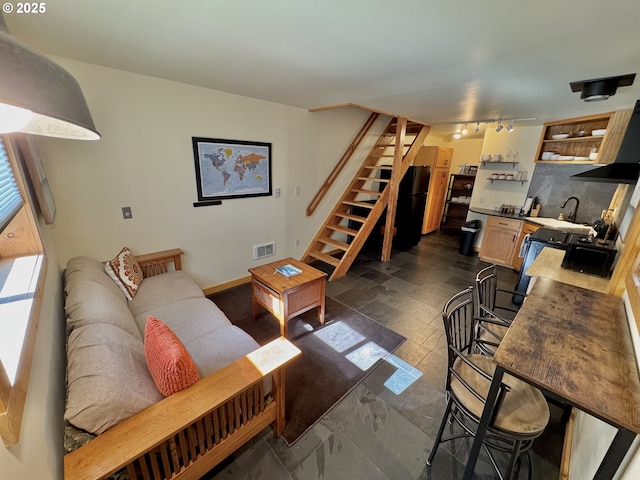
(374, 433)
(355, 298)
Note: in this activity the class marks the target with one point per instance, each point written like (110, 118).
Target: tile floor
(374, 433)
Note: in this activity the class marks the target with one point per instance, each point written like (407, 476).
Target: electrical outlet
(126, 213)
(297, 242)
(481, 200)
(297, 191)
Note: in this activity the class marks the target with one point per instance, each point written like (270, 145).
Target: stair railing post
(393, 186)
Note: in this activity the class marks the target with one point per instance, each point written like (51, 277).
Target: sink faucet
(572, 215)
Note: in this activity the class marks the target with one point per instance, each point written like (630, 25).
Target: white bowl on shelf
(599, 132)
(561, 136)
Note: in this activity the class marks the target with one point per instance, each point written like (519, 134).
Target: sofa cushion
(163, 289)
(80, 269)
(91, 302)
(220, 348)
(189, 319)
(107, 377)
(170, 364)
(126, 272)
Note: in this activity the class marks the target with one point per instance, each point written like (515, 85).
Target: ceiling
(436, 61)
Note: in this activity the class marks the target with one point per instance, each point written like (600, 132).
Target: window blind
(10, 198)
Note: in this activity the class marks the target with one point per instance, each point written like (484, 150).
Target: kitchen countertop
(546, 222)
(548, 264)
(496, 213)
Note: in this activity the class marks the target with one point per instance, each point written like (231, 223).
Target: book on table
(288, 270)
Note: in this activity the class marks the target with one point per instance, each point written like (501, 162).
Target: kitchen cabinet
(439, 159)
(434, 157)
(499, 240)
(527, 229)
(580, 143)
(456, 203)
(435, 199)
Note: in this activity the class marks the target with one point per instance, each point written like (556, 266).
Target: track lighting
(508, 122)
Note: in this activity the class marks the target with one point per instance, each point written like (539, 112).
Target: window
(10, 198)
(22, 274)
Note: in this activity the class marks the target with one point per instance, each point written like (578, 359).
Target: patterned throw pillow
(169, 362)
(125, 270)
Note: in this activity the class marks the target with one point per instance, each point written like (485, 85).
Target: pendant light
(39, 97)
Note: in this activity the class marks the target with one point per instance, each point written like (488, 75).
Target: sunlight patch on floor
(339, 336)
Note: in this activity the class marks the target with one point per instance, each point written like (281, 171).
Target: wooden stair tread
(374, 179)
(368, 192)
(380, 167)
(336, 243)
(325, 258)
(350, 216)
(355, 203)
(340, 228)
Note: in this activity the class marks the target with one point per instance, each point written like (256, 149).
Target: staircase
(370, 192)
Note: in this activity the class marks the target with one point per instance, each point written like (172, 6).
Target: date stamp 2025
(24, 8)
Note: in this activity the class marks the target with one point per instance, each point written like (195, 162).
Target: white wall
(487, 194)
(145, 161)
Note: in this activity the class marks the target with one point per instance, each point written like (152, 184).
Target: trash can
(468, 236)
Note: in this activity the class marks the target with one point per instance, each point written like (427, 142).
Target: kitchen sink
(562, 225)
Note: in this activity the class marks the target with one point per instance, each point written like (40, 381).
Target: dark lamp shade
(31, 81)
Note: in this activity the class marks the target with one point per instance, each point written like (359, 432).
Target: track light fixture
(509, 122)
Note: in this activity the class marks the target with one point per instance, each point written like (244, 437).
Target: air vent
(264, 250)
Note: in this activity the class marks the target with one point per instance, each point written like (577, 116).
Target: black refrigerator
(412, 201)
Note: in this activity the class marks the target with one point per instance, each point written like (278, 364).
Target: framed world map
(231, 169)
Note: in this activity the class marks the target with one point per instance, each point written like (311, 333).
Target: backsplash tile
(552, 185)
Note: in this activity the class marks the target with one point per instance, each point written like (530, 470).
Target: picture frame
(228, 169)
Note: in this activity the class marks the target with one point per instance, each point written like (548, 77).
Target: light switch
(126, 213)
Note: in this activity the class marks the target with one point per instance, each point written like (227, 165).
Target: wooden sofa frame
(187, 434)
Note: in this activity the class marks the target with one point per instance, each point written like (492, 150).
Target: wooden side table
(287, 297)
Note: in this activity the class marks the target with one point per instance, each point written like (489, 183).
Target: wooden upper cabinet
(434, 157)
(577, 147)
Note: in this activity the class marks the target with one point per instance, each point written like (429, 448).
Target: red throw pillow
(169, 362)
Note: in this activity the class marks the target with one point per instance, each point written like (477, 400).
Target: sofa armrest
(173, 420)
(159, 262)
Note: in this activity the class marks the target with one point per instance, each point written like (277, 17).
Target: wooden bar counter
(574, 344)
(548, 264)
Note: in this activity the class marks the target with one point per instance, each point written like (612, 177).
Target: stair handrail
(333, 175)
